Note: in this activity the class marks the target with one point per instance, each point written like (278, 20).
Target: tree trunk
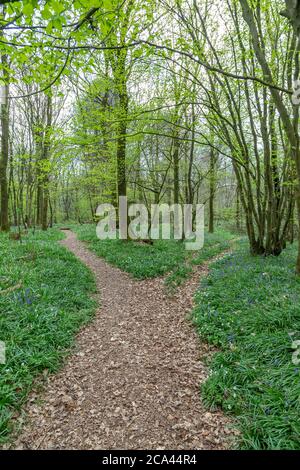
(4, 149)
(212, 189)
(238, 211)
(291, 126)
(46, 150)
(176, 170)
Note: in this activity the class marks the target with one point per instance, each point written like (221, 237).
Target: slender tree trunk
(121, 145)
(4, 149)
(121, 160)
(238, 211)
(176, 170)
(212, 189)
(46, 151)
(45, 209)
(39, 203)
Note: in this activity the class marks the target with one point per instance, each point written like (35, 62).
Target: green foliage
(177, 276)
(38, 321)
(143, 260)
(249, 307)
(215, 243)
(138, 258)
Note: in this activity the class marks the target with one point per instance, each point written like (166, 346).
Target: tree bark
(4, 148)
(212, 189)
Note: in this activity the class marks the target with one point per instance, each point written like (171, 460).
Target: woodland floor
(133, 380)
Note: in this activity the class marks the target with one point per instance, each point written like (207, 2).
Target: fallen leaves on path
(133, 381)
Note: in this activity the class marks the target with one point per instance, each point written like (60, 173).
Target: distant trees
(170, 101)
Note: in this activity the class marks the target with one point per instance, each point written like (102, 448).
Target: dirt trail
(133, 381)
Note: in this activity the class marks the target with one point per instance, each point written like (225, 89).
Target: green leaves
(57, 6)
(46, 12)
(248, 306)
(38, 333)
(28, 9)
(56, 23)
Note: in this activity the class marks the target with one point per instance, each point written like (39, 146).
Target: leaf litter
(133, 381)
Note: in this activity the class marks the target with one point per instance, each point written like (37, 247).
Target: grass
(38, 321)
(250, 308)
(145, 261)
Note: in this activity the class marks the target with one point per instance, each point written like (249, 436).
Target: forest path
(133, 380)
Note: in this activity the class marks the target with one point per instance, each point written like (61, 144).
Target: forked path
(133, 381)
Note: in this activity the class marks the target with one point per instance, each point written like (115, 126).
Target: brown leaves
(133, 382)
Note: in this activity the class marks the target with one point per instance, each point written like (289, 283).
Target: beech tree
(160, 101)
